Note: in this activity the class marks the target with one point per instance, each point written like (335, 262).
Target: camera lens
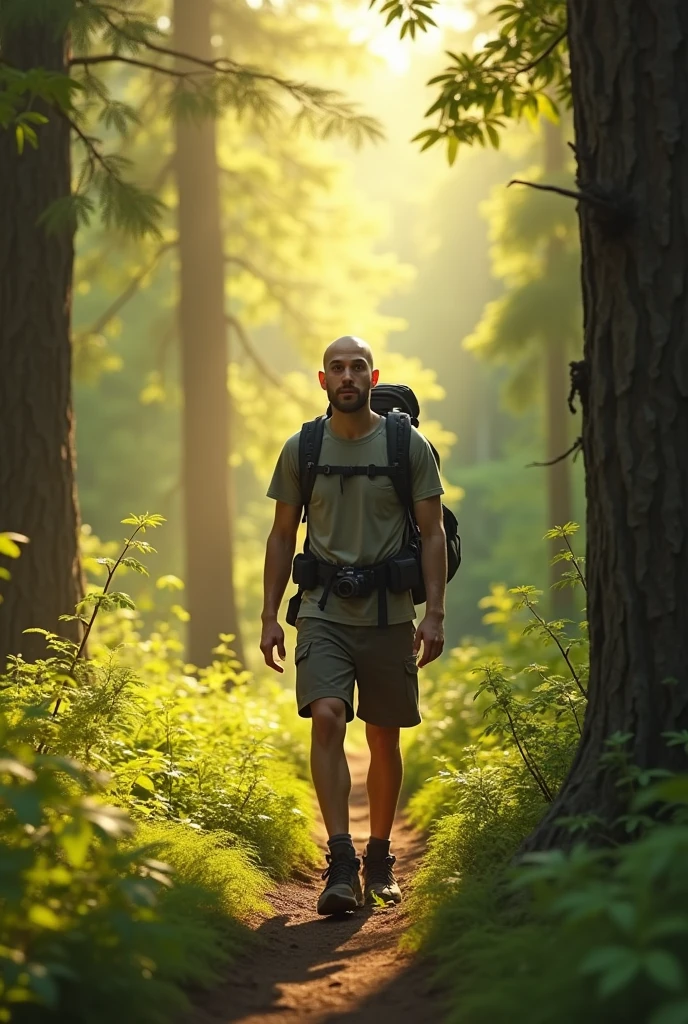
(345, 588)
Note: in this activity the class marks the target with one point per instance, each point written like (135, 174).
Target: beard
(348, 403)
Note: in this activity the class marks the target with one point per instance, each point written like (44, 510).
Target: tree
(631, 142)
(208, 526)
(535, 327)
(61, 35)
(37, 491)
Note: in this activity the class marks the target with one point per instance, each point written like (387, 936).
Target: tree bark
(37, 490)
(206, 423)
(630, 97)
(559, 505)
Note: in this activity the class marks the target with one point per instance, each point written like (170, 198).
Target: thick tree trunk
(559, 506)
(630, 90)
(208, 527)
(37, 492)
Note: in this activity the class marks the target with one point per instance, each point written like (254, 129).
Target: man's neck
(352, 425)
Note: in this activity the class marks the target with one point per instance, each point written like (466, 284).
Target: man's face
(348, 380)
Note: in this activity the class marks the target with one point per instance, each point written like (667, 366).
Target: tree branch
(129, 292)
(307, 96)
(576, 447)
(118, 58)
(545, 53)
(262, 367)
(273, 285)
(94, 155)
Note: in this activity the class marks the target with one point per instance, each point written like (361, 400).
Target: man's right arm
(279, 554)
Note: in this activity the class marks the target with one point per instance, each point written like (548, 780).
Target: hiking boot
(343, 889)
(379, 881)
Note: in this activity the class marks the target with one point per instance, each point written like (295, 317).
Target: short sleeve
(425, 476)
(284, 485)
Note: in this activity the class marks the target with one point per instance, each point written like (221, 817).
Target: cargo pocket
(302, 651)
(411, 674)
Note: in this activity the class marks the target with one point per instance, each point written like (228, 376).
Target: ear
(323, 380)
(374, 377)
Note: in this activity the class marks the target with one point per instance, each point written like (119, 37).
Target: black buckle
(372, 471)
(326, 470)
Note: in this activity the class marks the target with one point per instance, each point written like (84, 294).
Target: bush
(108, 909)
(601, 936)
(597, 934)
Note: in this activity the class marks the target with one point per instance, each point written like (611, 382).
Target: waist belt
(328, 573)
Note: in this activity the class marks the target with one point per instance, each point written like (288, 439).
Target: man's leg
(332, 782)
(329, 767)
(384, 778)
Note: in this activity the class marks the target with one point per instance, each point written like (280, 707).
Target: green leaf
(20, 771)
(145, 782)
(675, 1012)
(665, 969)
(111, 820)
(169, 582)
(75, 840)
(134, 565)
(44, 917)
(9, 544)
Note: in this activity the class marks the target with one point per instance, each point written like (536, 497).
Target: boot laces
(340, 870)
(380, 871)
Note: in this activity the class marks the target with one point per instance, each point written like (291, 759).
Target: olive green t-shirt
(356, 520)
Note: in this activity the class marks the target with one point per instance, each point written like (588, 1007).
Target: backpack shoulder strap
(310, 443)
(399, 454)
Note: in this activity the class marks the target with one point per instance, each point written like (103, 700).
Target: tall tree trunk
(37, 491)
(559, 506)
(208, 526)
(630, 92)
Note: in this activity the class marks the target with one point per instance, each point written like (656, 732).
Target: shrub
(108, 909)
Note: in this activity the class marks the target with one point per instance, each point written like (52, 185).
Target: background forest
(242, 189)
(322, 239)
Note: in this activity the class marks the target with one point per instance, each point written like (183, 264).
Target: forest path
(345, 970)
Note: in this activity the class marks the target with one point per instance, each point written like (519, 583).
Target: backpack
(399, 405)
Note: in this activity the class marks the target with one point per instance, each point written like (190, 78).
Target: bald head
(348, 374)
(348, 347)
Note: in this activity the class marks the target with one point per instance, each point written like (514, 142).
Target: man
(356, 521)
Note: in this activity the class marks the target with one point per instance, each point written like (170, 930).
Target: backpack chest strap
(370, 471)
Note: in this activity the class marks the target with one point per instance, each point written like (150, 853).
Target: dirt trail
(330, 970)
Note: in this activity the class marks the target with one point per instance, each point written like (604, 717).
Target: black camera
(351, 582)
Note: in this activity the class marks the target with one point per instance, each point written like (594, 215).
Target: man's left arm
(430, 632)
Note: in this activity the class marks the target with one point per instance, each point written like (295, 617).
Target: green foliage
(190, 87)
(19, 91)
(107, 908)
(9, 548)
(602, 936)
(598, 933)
(521, 71)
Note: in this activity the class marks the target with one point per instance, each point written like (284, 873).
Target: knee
(382, 740)
(329, 720)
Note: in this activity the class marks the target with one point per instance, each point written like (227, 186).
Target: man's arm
(430, 631)
(279, 553)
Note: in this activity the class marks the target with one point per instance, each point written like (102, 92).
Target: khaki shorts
(331, 657)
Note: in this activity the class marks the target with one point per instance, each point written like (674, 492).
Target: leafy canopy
(104, 35)
(522, 71)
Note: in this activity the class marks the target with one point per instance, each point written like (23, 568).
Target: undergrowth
(145, 806)
(599, 933)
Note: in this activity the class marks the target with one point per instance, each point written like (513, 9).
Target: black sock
(378, 849)
(341, 845)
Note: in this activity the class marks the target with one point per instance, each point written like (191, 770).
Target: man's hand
(273, 636)
(430, 633)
